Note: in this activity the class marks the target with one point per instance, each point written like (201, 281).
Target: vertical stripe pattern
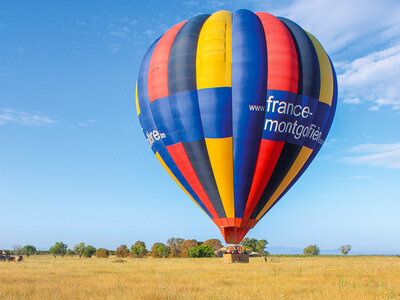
(236, 106)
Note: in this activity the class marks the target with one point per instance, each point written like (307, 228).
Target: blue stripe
(164, 120)
(216, 111)
(185, 109)
(318, 124)
(150, 129)
(309, 78)
(182, 58)
(145, 117)
(297, 134)
(249, 87)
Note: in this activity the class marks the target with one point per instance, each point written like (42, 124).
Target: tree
(89, 251)
(213, 243)
(29, 250)
(260, 247)
(160, 250)
(249, 243)
(139, 249)
(193, 252)
(345, 249)
(175, 244)
(63, 248)
(201, 251)
(70, 252)
(311, 250)
(17, 249)
(59, 249)
(187, 245)
(122, 251)
(78, 249)
(206, 251)
(102, 253)
(140, 243)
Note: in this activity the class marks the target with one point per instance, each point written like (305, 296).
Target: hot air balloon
(235, 106)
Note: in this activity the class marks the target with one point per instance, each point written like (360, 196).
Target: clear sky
(74, 165)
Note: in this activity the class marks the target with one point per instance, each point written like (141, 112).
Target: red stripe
(181, 160)
(268, 155)
(283, 70)
(283, 74)
(158, 69)
(237, 222)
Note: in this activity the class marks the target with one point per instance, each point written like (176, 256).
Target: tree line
(174, 247)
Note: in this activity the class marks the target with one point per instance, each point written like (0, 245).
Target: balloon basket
(236, 258)
(236, 254)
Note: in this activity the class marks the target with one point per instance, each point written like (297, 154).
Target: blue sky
(74, 165)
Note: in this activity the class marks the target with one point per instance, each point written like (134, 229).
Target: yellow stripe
(214, 55)
(221, 158)
(214, 69)
(301, 159)
(137, 101)
(326, 91)
(176, 180)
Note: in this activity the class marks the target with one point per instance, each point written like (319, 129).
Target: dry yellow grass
(45, 277)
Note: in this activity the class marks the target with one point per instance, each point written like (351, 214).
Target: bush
(122, 251)
(89, 251)
(102, 253)
(311, 250)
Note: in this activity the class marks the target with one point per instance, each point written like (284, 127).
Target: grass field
(45, 277)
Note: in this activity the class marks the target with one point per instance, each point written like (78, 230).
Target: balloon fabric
(235, 106)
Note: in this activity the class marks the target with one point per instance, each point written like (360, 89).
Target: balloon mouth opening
(233, 235)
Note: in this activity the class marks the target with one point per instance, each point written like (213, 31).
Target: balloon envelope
(235, 106)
